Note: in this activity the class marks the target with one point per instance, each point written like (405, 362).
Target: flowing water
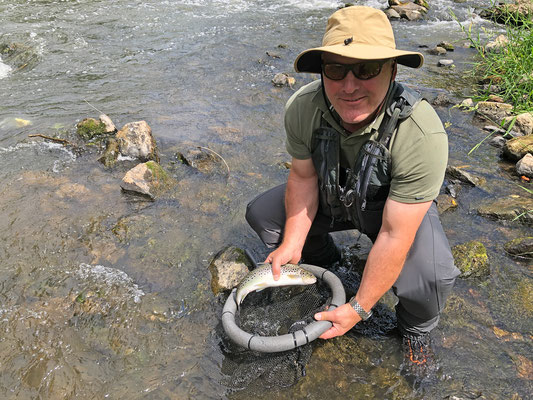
(103, 295)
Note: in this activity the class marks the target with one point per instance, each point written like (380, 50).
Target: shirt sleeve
(419, 157)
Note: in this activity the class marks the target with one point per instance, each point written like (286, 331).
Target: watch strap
(360, 310)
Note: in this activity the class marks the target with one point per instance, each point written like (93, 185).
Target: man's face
(356, 100)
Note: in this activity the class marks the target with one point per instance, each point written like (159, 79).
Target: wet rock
(516, 148)
(523, 123)
(109, 125)
(19, 56)
(228, 268)
(494, 111)
(410, 11)
(135, 140)
(453, 188)
(445, 202)
(283, 79)
(110, 155)
(441, 100)
(202, 159)
(392, 14)
(445, 63)
(459, 173)
(437, 51)
(524, 167)
(148, 179)
(496, 99)
(493, 129)
(471, 259)
(520, 247)
(509, 209)
(271, 54)
(498, 141)
(90, 128)
(447, 46)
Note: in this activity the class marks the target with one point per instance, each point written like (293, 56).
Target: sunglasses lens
(363, 71)
(335, 72)
(368, 70)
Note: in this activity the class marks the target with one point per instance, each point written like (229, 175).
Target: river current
(103, 295)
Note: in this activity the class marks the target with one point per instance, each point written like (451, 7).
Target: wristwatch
(360, 310)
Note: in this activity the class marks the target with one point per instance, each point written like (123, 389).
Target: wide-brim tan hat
(358, 32)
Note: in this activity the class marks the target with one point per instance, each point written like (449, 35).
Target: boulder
(523, 123)
(110, 155)
(204, 160)
(520, 247)
(459, 173)
(494, 111)
(445, 202)
(471, 259)
(228, 268)
(410, 11)
(391, 14)
(90, 128)
(283, 79)
(524, 167)
(135, 140)
(512, 208)
(516, 148)
(109, 125)
(437, 51)
(148, 179)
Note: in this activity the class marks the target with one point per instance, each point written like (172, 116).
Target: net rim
(289, 341)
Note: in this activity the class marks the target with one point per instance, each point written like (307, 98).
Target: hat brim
(311, 60)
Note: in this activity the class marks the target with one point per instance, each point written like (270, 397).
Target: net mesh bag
(273, 312)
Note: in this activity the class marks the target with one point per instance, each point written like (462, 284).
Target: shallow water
(103, 295)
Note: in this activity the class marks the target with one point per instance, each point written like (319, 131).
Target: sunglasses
(363, 70)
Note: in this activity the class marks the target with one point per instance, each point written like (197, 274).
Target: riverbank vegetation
(506, 68)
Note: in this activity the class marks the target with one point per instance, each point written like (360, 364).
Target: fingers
(276, 265)
(343, 319)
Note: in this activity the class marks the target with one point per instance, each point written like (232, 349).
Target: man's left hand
(344, 318)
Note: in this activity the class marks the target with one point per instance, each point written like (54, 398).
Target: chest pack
(358, 194)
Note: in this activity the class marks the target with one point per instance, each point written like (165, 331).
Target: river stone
(135, 140)
(90, 128)
(392, 14)
(228, 268)
(524, 167)
(508, 209)
(467, 103)
(148, 179)
(441, 100)
(458, 172)
(283, 79)
(498, 141)
(471, 259)
(520, 247)
(437, 51)
(447, 46)
(205, 161)
(410, 11)
(516, 148)
(523, 123)
(494, 111)
(445, 202)
(445, 63)
(109, 125)
(110, 155)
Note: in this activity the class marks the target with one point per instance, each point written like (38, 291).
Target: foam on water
(4, 69)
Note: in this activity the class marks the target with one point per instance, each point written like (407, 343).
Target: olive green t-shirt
(419, 148)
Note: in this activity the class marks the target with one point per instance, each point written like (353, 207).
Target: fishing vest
(360, 196)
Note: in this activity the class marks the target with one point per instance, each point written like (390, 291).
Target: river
(103, 295)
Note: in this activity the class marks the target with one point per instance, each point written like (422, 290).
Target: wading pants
(424, 283)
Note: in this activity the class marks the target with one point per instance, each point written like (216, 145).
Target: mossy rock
(471, 258)
(90, 128)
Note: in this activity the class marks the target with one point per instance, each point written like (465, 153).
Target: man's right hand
(282, 255)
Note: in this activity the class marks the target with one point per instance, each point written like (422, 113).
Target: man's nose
(350, 82)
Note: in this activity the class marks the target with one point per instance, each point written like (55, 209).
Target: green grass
(511, 69)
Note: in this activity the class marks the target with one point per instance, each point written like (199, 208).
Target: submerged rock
(445, 202)
(135, 140)
(520, 247)
(518, 147)
(148, 179)
(228, 268)
(110, 155)
(90, 128)
(459, 173)
(283, 79)
(203, 159)
(471, 258)
(513, 208)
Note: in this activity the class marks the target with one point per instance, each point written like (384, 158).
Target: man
(368, 154)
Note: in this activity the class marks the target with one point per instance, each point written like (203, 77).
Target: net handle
(289, 341)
